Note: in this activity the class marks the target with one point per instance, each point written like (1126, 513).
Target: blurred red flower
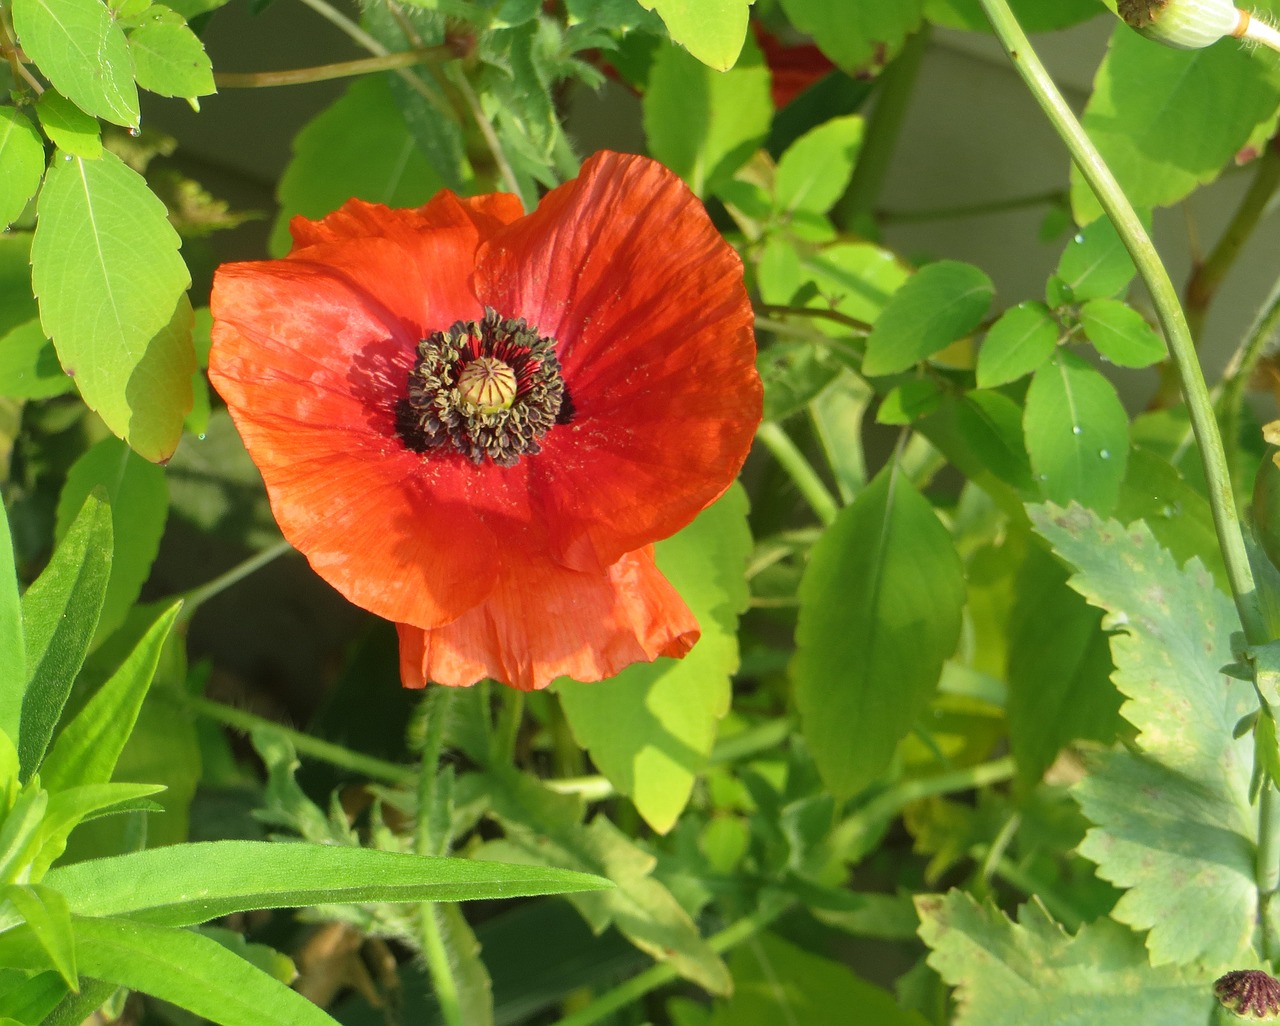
(475, 422)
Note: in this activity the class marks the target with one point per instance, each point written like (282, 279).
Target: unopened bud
(1185, 24)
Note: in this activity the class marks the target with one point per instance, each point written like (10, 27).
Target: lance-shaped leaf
(111, 284)
(184, 884)
(59, 614)
(47, 914)
(880, 608)
(651, 730)
(87, 748)
(82, 50)
(1185, 849)
(13, 651)
(25, 998)
(1033, 971)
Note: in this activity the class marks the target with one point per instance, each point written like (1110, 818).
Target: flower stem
(801, 471)
(1226, 516)
(1240, 370)
(896, 85)
(1258, 31)
(193, 599)
(312, 747)
(459, 79)
(653, 978)
(327, 72)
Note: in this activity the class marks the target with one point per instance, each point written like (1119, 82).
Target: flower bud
(1185, 24)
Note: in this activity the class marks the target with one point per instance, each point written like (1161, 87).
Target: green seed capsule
(1184, 24)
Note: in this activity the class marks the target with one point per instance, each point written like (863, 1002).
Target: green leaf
(29, 367)
(88, 747)
(106, 269)
(139, 502)
(470, 977)
(59, 615)
(1167, 121)
(1033, 971)
(705, 124)
(168, 57)
(940, 303)
(29, 999)
(989, 425)
(856, 35)
(13, 646)
(68, 127)
(1121, 334)
(837, 413)
(907, 402)
(47, 913)
(1060, 686)
(184, 884)
(82, 51)
(21, 163)
(1186, 850)
(880, 607)
(1094, 265)
(1077, 433)
(544, 828)
(651, 730)
(712, 30)
(357, 147)
(815, 169)
(182, 967)
(1019, 343)
(777, 982)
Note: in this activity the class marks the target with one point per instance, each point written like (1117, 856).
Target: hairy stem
(327, 72)
(1226, 516)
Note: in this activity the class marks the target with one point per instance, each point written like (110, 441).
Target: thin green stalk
(311, 747)
(326, 72)
(192, 600)
(1240, 370)
(1226, 516)
(893, 97)
(435, 952)
(800, 470)
(662, 973)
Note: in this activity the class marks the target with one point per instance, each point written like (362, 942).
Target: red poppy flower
(476, 423)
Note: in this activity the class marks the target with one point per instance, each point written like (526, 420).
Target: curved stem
(800, 470)
(327, 72)
(1240, 370)
(1226, 516)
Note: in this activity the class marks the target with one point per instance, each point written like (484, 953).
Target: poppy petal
(555, 622)
(654, 333)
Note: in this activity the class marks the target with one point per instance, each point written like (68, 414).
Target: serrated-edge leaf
(813, 172)
(21, 163)
(111, 286)
(1020, 341)
(68, 127)
(170, 60)
(1121, 334)
(59, 614)
(712, 30)
(88, 747)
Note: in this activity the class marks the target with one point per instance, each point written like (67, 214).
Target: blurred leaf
(814, 171)
(1094, 264)
(111, 284)
(139, 503)
(29, 367)
(712, 30)
(193, 883)
(1186, 850)
(837, 413)
(1019, 343)
(357, 147)
(1077, 433)
(777, 982)
(1060, 686)
(793, 374)
(471, 978)
(650, 731)
(1033, 15)
(29, 999)
(82, 51)
(1033, 971)
(880, 607)
(13, 646)
(856, 35)
(168, 58)
(705, 124)
(1121, 334)
(47, 914)
(59, 615)
(546, 829)
(908, 401)
(21, 163)
(940, 303)
(17, 304)
(88, 747)
(69, 128)
(1167, 121)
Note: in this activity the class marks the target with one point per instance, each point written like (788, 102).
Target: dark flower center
(487, 388)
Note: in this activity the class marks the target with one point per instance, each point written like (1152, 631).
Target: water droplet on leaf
(1104, 454)
(1076, 429)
